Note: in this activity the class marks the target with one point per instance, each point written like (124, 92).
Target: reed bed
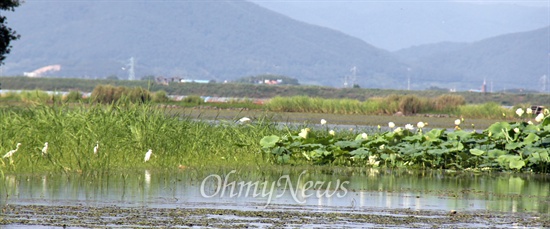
(405, 104)
(123, 133)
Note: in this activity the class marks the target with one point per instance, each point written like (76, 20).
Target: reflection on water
(317, 190)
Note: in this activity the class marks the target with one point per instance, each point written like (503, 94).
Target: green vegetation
(407, 104)
(447, 105)
(265, 91)
(521, 146)
(7, 33)
(123, 134)
(124, 124)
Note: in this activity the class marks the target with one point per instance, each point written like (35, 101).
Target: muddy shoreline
(275, 217)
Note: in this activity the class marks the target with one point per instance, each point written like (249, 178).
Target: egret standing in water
(148, 155)
(45, 149)
(11, 152)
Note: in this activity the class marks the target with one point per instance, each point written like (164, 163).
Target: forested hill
(214, 40)
(227, 40)
(518, 60)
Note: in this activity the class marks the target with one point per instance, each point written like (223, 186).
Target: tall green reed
(124, 132)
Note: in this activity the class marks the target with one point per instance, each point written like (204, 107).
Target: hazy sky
(538, 3)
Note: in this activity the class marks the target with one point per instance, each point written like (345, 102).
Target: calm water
(315, 190)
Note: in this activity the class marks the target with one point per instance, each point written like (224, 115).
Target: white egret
(45, 149)
(244, 120)
(96, 147)
(148, 155)
(11, 152)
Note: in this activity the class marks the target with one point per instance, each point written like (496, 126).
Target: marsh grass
(124, 133)
(407, 104)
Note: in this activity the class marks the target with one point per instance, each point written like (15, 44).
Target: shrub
(73, 96)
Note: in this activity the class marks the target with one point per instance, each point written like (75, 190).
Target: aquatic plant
(502, 146)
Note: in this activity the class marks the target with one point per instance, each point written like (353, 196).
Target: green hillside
(213, 40)
(509, 61)
(228, 40)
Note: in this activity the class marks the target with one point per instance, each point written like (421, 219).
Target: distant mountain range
(394, 25)
(226, 40)
(518, 60)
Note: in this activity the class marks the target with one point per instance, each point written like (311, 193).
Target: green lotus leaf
(531, 138)
(477, 152)
(516, 163)
(269, 141)
(497, 129)
(348, 144)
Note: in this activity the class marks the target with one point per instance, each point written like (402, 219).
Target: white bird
(244, 120)
(45, 149)
(96, 147)
(148, 155)
(11, 152)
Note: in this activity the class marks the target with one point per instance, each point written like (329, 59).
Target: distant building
(194, 81)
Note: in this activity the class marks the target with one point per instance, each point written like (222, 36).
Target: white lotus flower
(364, 136)
(539, 117)
(323, 121)
(529, 122)
(420, 125)
(519, 112)
(457, 122)
(303, 133)
(331, 132)
(391, 125)
(516, 130)
(397, 130)
(409, 127)
(529, 111)
(373, 161)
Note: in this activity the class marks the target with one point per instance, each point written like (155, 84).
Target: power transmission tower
(349, 80)
(130, 67)
(544, 83)
(131, 72)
